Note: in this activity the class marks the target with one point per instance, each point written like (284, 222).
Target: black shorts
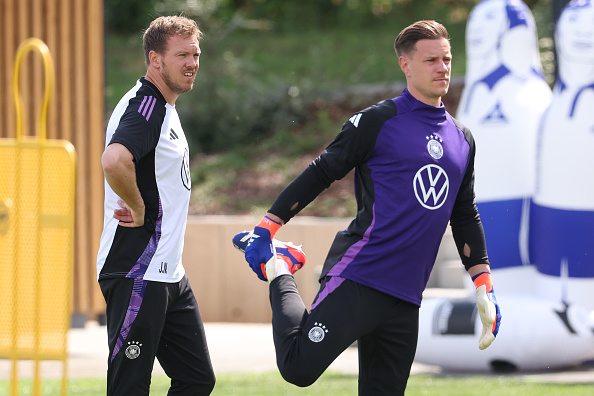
(343, 312)
(153, 319)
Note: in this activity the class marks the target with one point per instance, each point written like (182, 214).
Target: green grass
(335, 384)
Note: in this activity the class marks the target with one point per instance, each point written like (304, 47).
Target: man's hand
(260, 249)
(127, 217)
(487, 307)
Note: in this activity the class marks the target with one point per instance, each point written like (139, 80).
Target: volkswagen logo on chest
(431, 186)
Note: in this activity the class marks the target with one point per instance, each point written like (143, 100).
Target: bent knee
(299, 377)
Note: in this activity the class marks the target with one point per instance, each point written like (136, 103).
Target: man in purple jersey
(414, 173)
(151, 308)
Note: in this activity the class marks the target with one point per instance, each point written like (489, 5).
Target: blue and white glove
(487, 307)
(260, 250)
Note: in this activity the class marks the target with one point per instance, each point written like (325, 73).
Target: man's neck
(435, 102)
(158, 82)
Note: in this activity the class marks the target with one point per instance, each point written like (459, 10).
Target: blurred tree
(130, 16)
(287, 15)
(236, 99)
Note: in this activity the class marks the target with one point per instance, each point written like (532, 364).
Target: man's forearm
(120, 174)
(477, 269)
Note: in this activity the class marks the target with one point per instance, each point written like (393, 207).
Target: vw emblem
(431, 186)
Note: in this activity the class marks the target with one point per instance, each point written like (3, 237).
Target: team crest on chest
(434, 146)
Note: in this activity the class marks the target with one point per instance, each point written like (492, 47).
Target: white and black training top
(150, 128)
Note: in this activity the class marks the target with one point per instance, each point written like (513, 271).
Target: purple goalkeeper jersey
(413, 167)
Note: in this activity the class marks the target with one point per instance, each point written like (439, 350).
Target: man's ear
(154, 59)
(403, 62)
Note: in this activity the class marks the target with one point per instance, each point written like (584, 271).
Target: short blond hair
(156, 35)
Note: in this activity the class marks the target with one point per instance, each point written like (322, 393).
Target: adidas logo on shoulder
(172, 135)
(355, 119)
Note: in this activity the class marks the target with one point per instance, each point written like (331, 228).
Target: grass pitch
(333, 384)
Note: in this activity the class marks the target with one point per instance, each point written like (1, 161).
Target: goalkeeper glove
(487, 307)
(260, 252)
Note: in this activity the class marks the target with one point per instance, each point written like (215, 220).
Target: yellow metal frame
(48, 65)
(34, 159)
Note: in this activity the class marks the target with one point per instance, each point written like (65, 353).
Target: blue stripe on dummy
(501, 221)
(558, 235)
(516, 13)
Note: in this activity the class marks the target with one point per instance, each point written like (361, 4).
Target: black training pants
(154, 319)
(344, 311)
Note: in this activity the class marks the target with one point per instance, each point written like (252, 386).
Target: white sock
(281, 267)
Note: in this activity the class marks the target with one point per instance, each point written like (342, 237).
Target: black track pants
(385, 327)
(153, 319)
